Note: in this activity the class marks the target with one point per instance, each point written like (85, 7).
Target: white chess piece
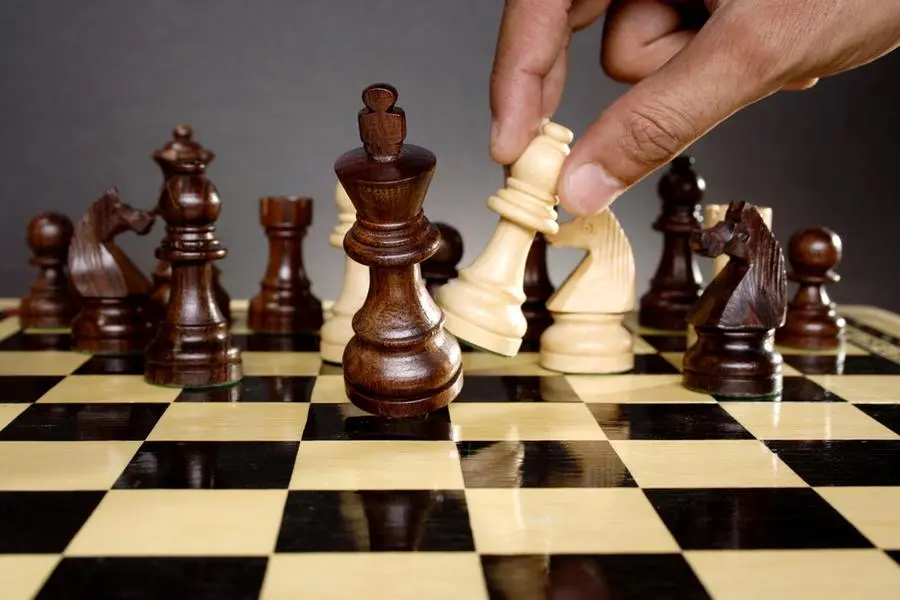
(338, 327)
(483, 306)
(587, 335)
(712, 214)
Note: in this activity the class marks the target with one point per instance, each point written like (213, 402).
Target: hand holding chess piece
(739, 311)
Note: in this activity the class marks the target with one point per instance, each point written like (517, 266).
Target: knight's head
(732, 236)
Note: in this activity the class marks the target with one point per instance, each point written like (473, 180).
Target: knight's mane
(768, 266)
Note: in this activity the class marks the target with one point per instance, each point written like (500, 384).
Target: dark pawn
(812, 322)
(285, 303)
(192, 347)
(538, 289)
(441, 266)
(50, 303)
(401, 361)
(182, 148)
(677, 283)
(738, 313)
(114, 316)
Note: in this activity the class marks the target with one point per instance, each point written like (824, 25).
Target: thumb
(716, 74)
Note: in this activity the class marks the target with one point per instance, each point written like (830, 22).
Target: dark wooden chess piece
(182, 148)
(285, 302)
(441, 266)
(51, 302)
(538, 289)
(677, 283)
(192, 347)
(401, 361)
(812, 322)
(738, 313)
(114, 316)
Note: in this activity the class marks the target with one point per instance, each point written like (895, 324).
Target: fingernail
(588, 189)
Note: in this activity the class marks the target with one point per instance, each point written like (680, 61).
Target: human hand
(686, 81)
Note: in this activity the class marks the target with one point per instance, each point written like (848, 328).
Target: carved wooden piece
(51, 302)
(484, 305)
(538, 290)
(401, 361)
(285, 302)
(182, 148)
(738, 313)
(677, 283)
(812, 322)
(587, 335)
(193, 346)
(441, 266)
(338, 327)
(114, 316)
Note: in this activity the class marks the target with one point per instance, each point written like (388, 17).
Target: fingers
(639, 37)
(529, 58)
(714, 76)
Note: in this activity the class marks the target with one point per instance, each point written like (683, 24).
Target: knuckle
(654, 134)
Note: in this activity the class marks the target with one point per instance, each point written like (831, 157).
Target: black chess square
(43, 522)
(620, 576)
(25, 389)
(210, 465)
(853, 364)
(895, 554)
(667, 343)
(886, 414)
(37, 342)
(156, 578)
(816, 364)
(132, 364)
(652, 364)
(542, 464)
(753, 519)
(516, 388)
(255, 389)
(83, 422)
(270, 342)
(347, 422)
(376, 521)
(668, 422)
(842, 462)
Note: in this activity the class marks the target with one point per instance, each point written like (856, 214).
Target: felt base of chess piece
(112, 326)
(587, 343)
(734, 364)
(50, 303)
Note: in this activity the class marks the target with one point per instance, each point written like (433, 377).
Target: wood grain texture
(192, 347)
(182, 148)
(736, 317)
(51, 302)
(812, 321)
(400, 362)
(114, 317)
(677, 283)
(285, 302)
(538, 289)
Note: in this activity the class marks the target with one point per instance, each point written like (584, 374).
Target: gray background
(273, 87)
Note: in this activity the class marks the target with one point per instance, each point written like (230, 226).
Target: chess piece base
(47, 309)
(811, 330)
(666, 312)
(479, 337)
(414, 407)
(271, 313)
(184, 358)
(112, 326)
(336, 332)
(587, 344)
(738, 364)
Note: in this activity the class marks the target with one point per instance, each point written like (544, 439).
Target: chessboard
(530, 485)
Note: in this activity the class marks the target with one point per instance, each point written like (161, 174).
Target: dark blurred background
(273, 88)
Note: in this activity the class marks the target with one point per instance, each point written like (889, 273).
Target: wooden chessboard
(624, 486)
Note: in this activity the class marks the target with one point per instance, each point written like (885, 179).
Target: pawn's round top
(539, 164)
(49, 234)
(448, 253)
(814, 252)
(681, 184)
(183, 151)
(285, 211)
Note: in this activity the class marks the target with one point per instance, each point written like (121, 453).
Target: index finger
(533, 33)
